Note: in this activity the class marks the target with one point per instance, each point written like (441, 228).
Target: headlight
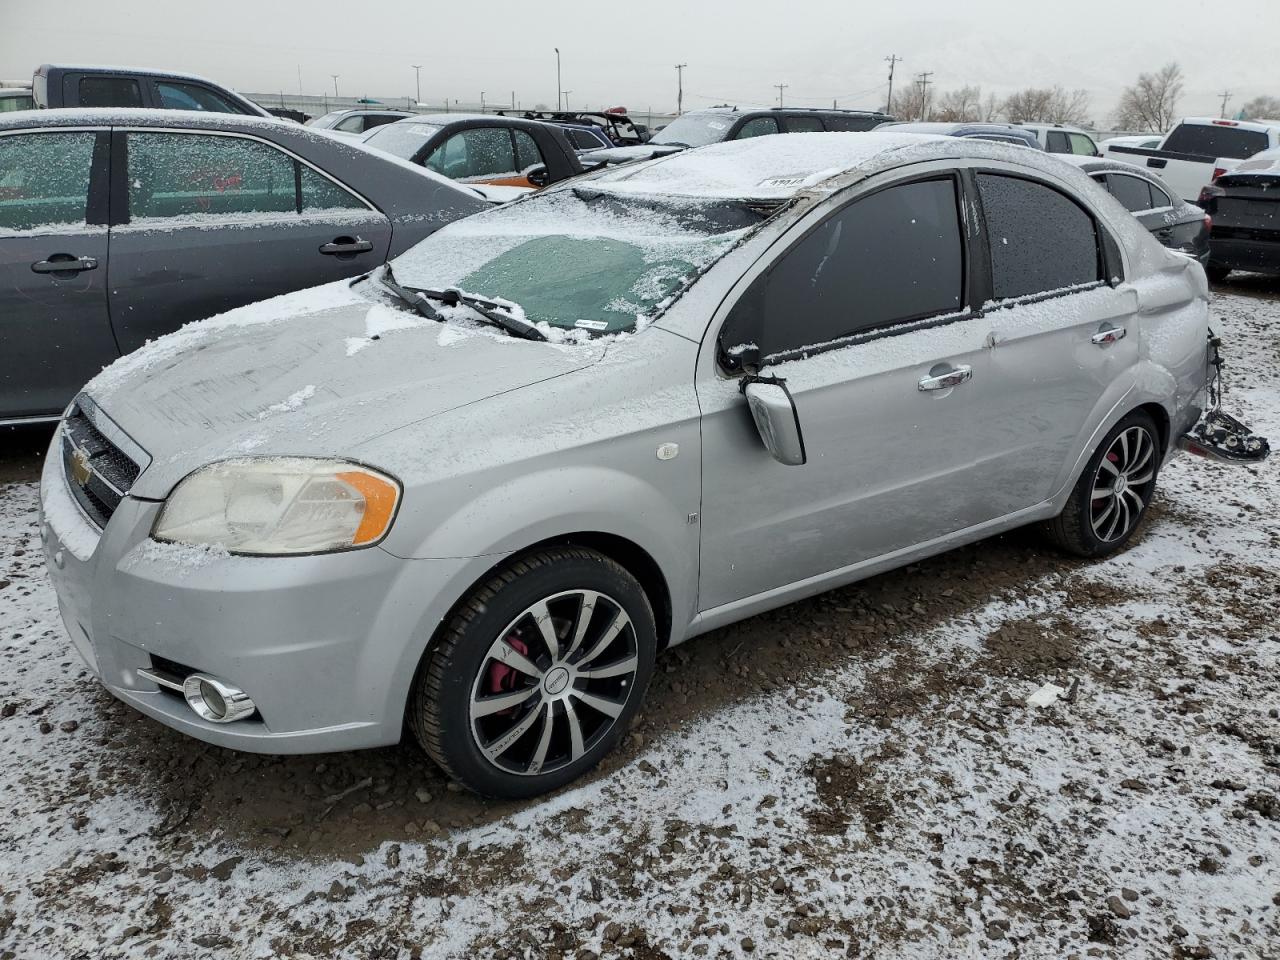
(280, 505)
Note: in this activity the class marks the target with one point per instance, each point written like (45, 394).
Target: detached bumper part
(1221, 437)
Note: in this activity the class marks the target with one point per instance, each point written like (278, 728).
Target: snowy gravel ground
(856, 775)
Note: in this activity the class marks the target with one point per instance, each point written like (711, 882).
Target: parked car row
(316, 457)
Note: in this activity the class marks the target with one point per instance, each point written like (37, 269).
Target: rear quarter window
(1214, 141)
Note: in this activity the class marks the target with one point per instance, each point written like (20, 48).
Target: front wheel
(537, 674)
(1113, 492)
(1216, 272)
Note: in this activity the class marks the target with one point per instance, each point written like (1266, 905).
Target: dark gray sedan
(200, 213)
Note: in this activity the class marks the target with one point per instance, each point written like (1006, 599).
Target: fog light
(216, 700)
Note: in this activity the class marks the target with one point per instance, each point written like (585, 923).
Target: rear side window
(191, 96)
(1040, 239)
(850, 124)
(804, 125)
(378, 119)
(1056, 142)
(188, 175)
(891, 257)
(527, 152)
(44, 180)
(1133, 193)
(320, 193)
(474, 154)
(1159, 198)
(109, 92)
(1211, 140)
(582, 140)
(757, 127)
(351, 124)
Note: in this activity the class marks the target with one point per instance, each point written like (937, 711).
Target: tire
(1128, 460)
(487, 688)
(1216, 272)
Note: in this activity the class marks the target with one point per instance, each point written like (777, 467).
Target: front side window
(188, 175)
(757, 127)
(191, 96)
(804, 125)
(44, 180)
(351, 124)
(474, 154)
(1082, 145)
(109, 92)
(1040, 239)
(889, 258)
(1132, 192)
(527, 152)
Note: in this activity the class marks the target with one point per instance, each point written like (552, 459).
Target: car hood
(316, 373)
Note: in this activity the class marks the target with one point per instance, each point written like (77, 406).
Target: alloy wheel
(1123, 484)
(554, 682)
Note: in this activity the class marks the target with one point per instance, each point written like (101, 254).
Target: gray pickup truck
(61, 85)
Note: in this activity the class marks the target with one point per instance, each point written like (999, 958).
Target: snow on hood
(1268, 161)
(313, 373)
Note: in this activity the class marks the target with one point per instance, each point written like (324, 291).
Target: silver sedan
(482, 488)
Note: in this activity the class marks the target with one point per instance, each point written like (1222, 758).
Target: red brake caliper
(501, 677)
(1114, 458)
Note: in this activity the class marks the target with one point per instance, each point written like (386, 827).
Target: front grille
(98, 472)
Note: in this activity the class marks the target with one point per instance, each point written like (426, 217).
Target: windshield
(402, 139)
(582, 259)
(695, 130)
(328, 120)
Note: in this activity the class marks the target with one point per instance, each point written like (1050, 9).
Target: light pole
(335, 84)
(417, 80)
(566, 100)
(680, 88)
(558, 88)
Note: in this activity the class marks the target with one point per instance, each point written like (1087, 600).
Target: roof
(1102, 164)
(145, 71)
(140, 117)
(780, 167)
(1257, 126)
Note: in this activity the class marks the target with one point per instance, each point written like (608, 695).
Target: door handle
(64, 263)
(1108, 334)
(1157, 162)
(948, 379)
(345, 246)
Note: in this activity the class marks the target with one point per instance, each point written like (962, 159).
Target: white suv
(1056, 138)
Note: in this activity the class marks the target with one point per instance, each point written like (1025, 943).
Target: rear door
(54, 329)
(1062, 337)
(204, 222)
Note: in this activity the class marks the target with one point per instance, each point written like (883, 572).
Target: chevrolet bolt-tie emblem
(80, 467)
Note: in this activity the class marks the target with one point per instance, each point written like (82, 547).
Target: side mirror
(538, 176)
(776, 419)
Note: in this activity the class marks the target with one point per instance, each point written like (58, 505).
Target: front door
(209, 222)
(867, 320)
(501, 156)
(54, 328)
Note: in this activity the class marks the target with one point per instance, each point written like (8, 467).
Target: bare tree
(1262, 108)
(1152, 102)
(1047, 105)
(960, 106)
(909, 102)
(992, 108)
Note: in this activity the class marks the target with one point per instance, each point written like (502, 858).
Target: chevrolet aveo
(478, 490)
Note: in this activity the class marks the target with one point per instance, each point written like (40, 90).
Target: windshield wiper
(497, 314)
(410, 296)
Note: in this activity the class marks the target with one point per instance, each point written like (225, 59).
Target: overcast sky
(624, 53)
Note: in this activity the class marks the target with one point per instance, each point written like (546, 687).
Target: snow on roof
(138, 116)
(1268, 161)
(780, 167)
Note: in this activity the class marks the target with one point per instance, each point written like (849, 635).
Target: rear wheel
(1113, 492)
(1216, 271)
(537, 675)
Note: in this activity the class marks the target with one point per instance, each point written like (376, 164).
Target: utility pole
(781, 87)
(566, 100)
(680, 88)
(893, 60)
(335, 84)
(1226, 96)
(417, 79)
(299, 81)
(513, 100)
(922, 79)
(482, 101)
(558, 87)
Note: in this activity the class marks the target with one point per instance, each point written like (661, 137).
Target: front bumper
(325, 645)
